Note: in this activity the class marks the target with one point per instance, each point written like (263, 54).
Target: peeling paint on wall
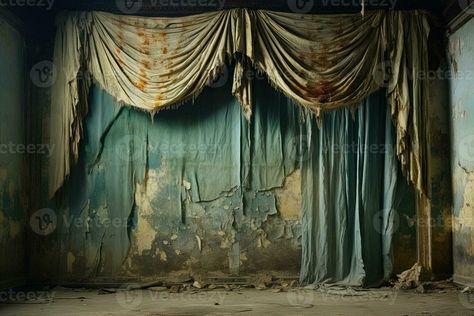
(462, 151)
(465, 219)
(187, 210)
(289, 197)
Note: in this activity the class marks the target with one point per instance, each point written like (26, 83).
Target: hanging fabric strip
(322, 62)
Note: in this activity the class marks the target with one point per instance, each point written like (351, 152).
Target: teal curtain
(203, 155)
(350, 180)
(207, 151)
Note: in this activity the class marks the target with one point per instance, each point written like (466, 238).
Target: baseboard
(463, 280)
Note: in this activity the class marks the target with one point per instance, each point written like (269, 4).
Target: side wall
(12, 157)
(461, 55)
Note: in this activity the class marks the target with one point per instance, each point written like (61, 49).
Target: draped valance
(321, 62)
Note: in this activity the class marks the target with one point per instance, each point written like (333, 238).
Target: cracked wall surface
(194, 192)
(461, 53)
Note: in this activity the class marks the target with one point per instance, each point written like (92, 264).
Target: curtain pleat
(322, 62)
(349, 185)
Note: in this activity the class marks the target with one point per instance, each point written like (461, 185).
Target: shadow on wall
(12, 155)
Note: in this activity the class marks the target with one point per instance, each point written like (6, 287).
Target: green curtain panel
(205, 152)
(351, 194)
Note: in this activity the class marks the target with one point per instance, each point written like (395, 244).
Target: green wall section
(195, 191)
(461, 54)
(199, 191)
(12, 211)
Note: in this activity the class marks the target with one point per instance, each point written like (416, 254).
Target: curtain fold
(178, 169)
(349, 204)
(322, 62)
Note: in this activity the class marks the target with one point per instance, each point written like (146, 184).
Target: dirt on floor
(263, 297)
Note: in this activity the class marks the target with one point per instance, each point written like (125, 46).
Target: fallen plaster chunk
(410, 278)
(187, 185)
(198, 285)
(199, 242)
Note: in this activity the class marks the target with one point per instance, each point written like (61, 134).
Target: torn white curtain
(322, 62)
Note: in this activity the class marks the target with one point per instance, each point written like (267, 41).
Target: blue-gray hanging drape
(350, 176)
(350, 180)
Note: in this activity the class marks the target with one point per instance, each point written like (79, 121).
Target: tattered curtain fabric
(352, 195)
(176, 174)
(322, 62)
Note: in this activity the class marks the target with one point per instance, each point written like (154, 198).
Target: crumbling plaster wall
(461, 57)
(169, 222)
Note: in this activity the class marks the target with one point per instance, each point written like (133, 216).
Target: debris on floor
(409, 279)
(467, 289)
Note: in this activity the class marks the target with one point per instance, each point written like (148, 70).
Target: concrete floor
(60, 301)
